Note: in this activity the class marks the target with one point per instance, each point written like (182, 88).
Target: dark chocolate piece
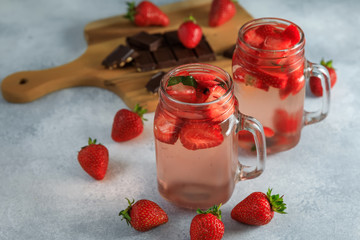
(145, 62)
(164, 58)
(182, 54)
(204, 52)
(228, 53)
(172, 38)
(145, 41)
(154, 82)
(119, 57)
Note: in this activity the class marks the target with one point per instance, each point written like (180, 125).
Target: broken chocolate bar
(119, 57)
(154, 82)
(145, 41)
(145, 62)
(228, 53)
(204, 52)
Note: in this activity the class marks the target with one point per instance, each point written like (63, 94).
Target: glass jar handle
(322, 73)
(256, 129)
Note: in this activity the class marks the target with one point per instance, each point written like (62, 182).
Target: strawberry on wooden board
(207, 225)
(127, 124)
(258, 208)
(221, 11)
(146, 14)
(190, 33)
(144, 215)
(94, 159)
(196, 135)
(315, 82)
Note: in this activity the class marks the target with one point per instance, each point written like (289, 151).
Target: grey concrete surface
(44, 193)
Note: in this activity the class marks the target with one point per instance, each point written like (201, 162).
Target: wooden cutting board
(103, 36)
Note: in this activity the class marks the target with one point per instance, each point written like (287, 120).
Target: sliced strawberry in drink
(200, 135)
(292, 33)
(265, 30)
(215, 92)
(183, 93)
(295, 83)
(252, 38)
(287, 123)
(245, 136)
(273, 79)
(166, 127)
(277, 42)
(268, 132)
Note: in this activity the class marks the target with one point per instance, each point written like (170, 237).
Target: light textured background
(44, 193)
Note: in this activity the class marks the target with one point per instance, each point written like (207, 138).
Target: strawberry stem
(90, 141)
(190, 19)
(276, 202)
(140, 111)
(327, 64)
(131, 11)
(215, 210)
(125, 213)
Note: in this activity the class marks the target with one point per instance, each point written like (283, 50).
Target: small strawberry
(315, 82)
(207, 225)
(94, 159)
(258, 208)
(144, 215)
(190, 33)
(127, 124)
(196, 135)
(146, 14)
(221, 11)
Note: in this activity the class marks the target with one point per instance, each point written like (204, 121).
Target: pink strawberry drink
(270, 72)
(195, 127)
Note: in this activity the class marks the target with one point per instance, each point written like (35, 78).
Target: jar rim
(261, 21)
(199, 67)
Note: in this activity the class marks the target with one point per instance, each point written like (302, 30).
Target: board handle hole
(23, 81)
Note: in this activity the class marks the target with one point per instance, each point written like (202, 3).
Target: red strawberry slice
(295, 83)
(200, 135)
(287, 123)
(215, 92)
(253, 39)
(166, 127)
(245, 136)
(183, 93)
(275, 79)
(292, 33)
(277, 42)
(265, 30)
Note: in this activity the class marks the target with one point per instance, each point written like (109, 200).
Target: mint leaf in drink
(186, 80)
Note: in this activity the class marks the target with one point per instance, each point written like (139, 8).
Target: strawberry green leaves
(185, 80)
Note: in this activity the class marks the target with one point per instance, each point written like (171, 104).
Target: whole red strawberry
(146, 14)
(221, 11)
(190, 33)
(94, 159)
(207, 225)
(143, 215)
(258, 208)
(315, 82)
(127, 124)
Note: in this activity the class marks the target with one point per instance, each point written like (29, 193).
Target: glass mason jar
(196, 143)
(270, 82)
